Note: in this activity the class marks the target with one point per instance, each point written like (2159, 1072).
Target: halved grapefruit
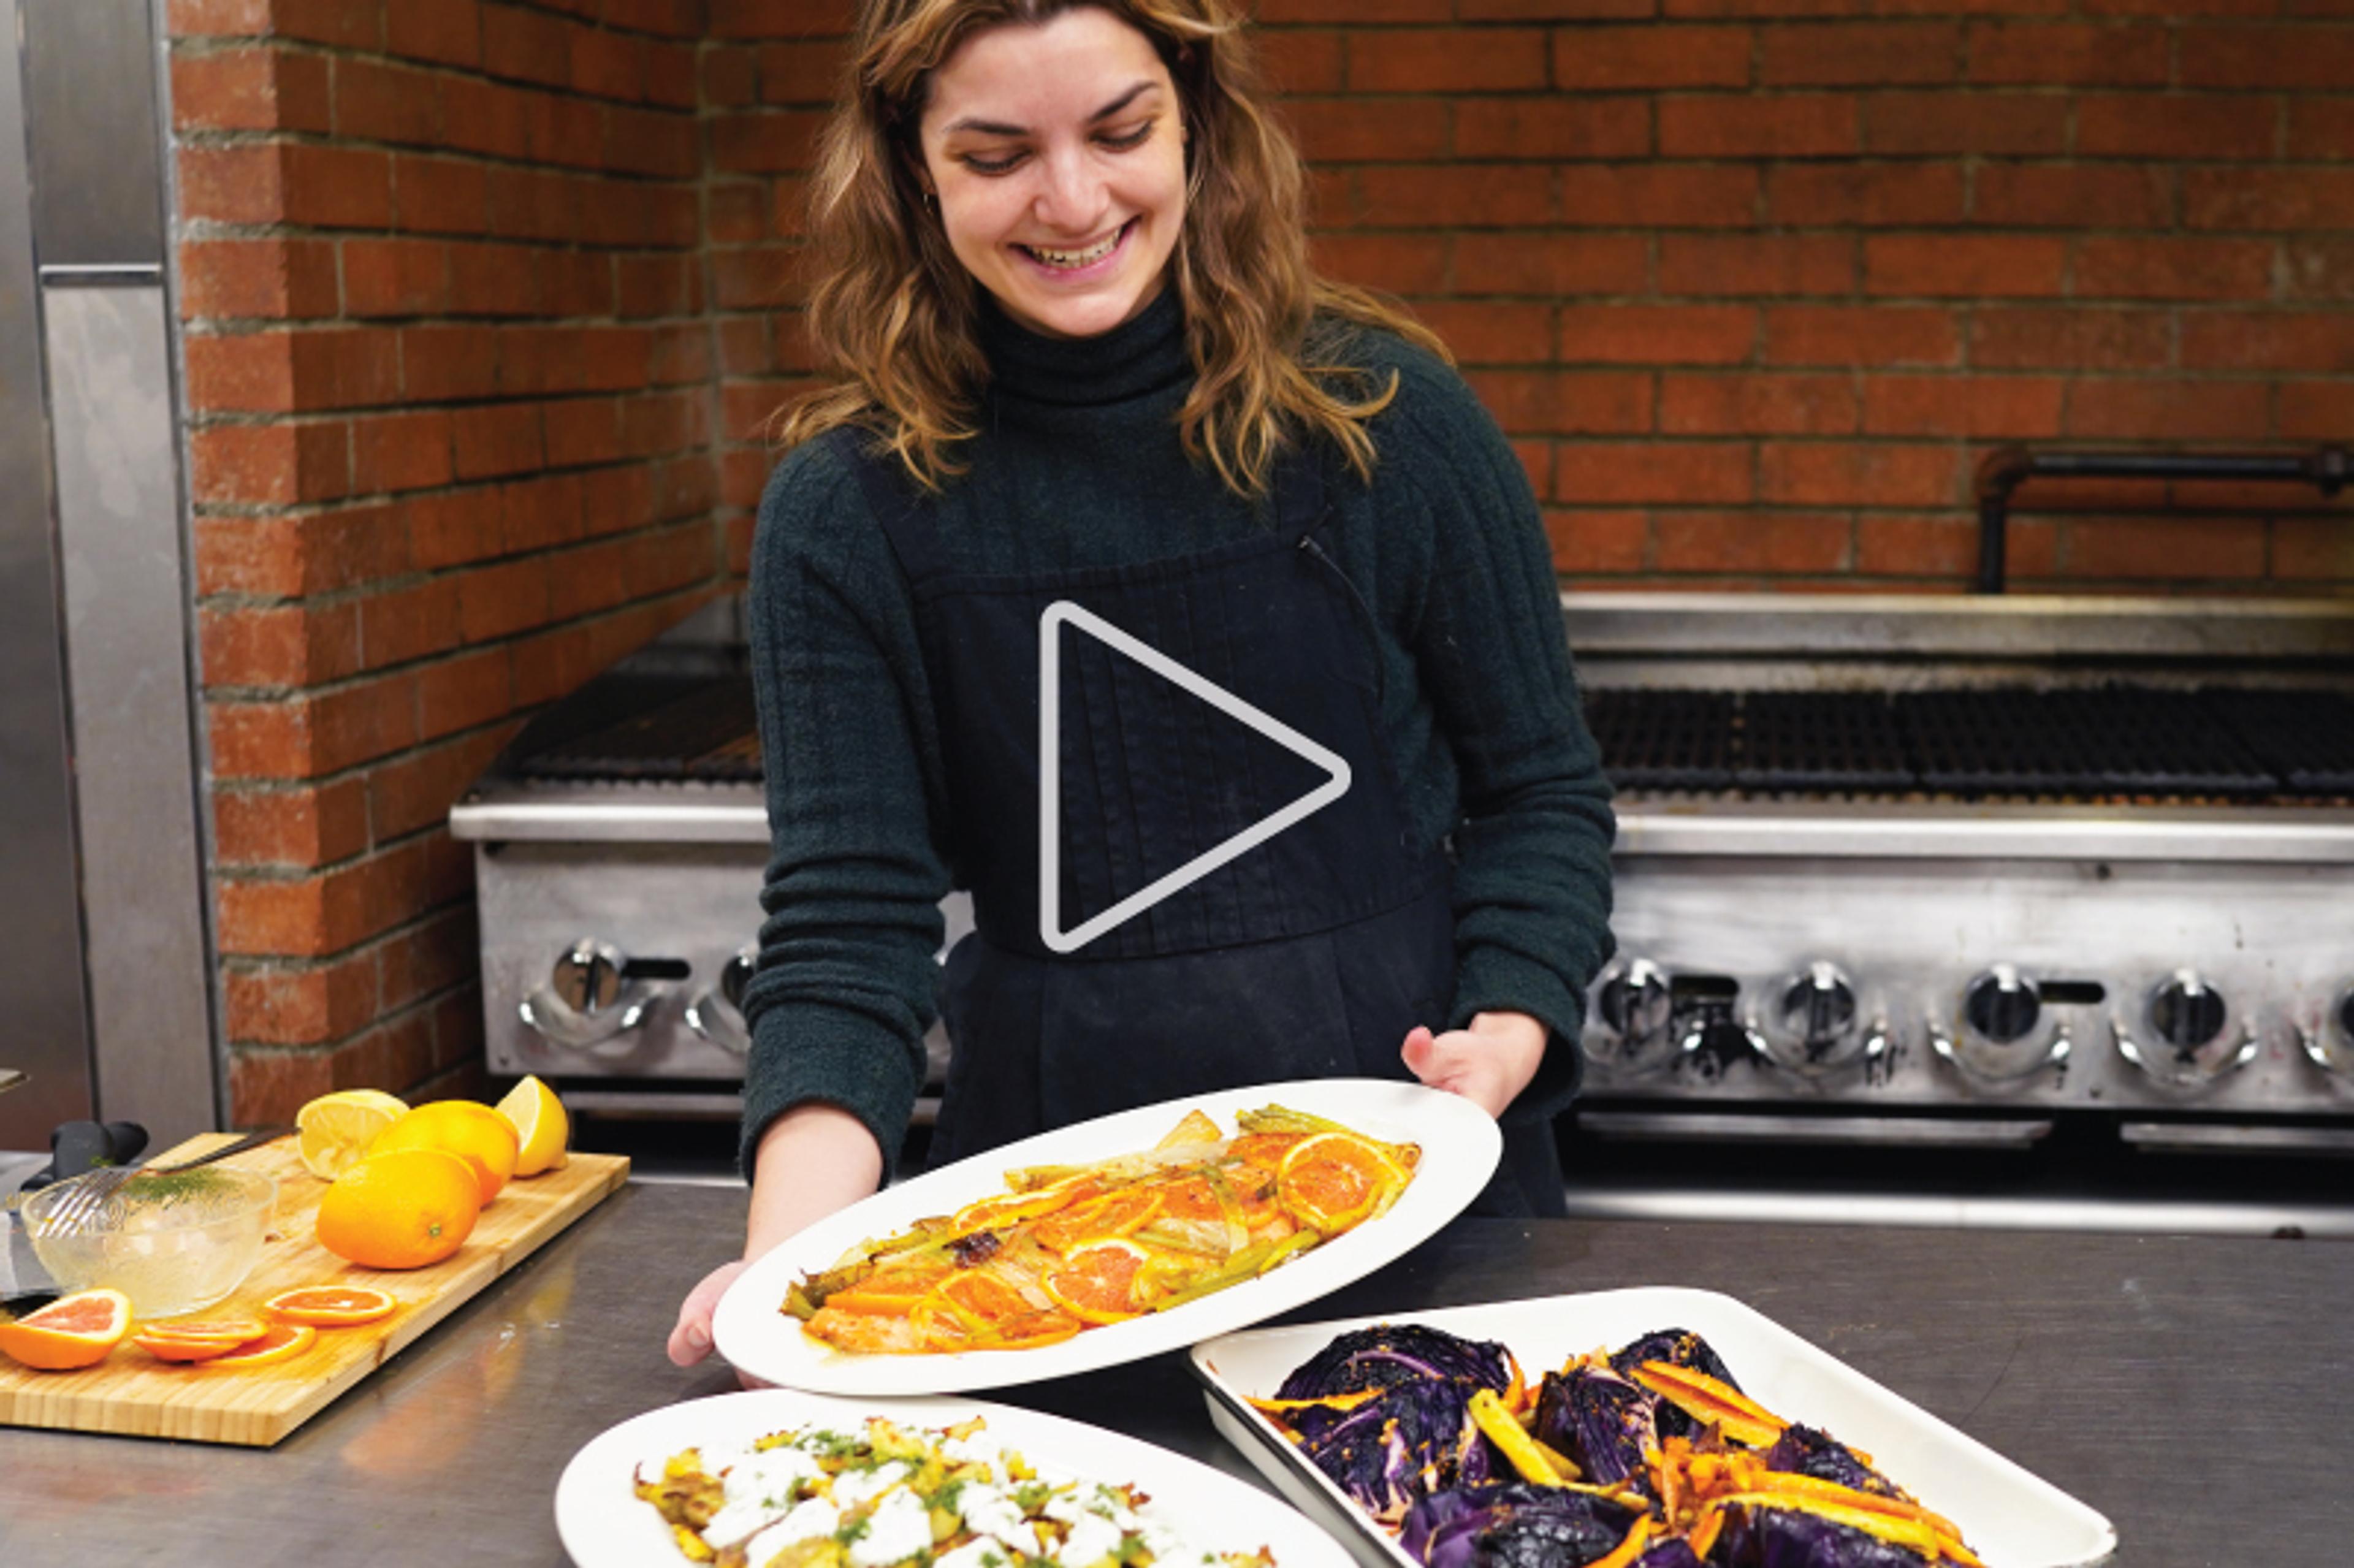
(77, 1330)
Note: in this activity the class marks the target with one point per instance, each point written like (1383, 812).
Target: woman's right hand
(814, 1159)
(690, 1342)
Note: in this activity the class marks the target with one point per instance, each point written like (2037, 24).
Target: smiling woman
(1082, 378)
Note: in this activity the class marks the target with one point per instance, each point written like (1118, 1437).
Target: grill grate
(2307, 737)
(1664, 739)
(2097, 741)
(1821, 741)
(710, 732)
(2106, 740)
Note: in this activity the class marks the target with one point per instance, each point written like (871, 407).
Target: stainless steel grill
(1930, 879)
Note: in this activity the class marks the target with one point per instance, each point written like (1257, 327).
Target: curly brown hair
(892, 314)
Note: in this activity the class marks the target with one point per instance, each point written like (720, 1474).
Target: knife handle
(127, 1139)
(74, 1148)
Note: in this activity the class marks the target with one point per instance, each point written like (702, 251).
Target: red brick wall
(449, 375)
(1754, 283)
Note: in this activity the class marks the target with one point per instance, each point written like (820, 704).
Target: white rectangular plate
(1459, 1145)
(604, 1524)
(2011, 1517)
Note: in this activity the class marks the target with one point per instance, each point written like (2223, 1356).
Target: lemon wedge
(540, 1125)
(338, 1128)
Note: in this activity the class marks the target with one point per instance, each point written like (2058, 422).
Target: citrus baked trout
(1066, 1248)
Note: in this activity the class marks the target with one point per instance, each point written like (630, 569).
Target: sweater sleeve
(1533, 841)
(843, 989)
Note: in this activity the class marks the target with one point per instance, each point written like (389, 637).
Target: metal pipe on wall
(116, 615)
(40, 934)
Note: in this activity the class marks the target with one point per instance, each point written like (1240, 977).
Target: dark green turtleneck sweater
(1078, 464)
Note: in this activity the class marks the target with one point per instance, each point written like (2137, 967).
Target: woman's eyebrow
(1000, 127)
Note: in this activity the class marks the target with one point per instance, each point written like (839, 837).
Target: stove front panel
(1996, 982)
(660, 910)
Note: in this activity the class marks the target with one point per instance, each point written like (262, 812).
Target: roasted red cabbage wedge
(1650, 1456)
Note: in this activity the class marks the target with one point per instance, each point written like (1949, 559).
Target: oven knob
(2185, 1013)
(594, 995)
(2192, 1048)
(1814, 1026)
(717, 1012)
(2331, 1047)
(588, 980)
(2004, 1039)
(1637, 1015)
(2001, 1005)
(1819, 1009)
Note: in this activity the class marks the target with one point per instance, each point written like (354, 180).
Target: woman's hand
(690, 1342)
(1488, 1061)
(814, 1159)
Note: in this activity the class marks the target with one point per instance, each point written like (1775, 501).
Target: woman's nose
(1071, 197)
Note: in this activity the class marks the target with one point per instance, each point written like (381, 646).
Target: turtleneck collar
(1144, 355)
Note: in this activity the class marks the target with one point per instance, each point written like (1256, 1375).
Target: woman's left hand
(1489, 1063)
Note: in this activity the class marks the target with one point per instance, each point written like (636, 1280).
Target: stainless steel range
(2023, 895)
(1939, 886)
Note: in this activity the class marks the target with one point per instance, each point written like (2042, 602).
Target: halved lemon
(338, 1128)
(541, 1126)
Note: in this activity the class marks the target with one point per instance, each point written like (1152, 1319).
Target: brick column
(448, 388)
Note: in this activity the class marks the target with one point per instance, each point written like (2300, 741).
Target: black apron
(1309, 954)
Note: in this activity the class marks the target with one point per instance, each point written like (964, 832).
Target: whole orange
(475, 1132)
(401, 1209)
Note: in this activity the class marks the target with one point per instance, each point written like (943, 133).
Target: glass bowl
(173, 1242)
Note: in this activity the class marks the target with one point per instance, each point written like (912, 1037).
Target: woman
(1093, 407)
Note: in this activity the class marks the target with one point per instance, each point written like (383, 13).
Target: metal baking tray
(2010, 1517)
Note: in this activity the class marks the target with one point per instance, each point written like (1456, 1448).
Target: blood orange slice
(1335, 1180)
(77, 1330)
(891, 1292)
(1113, 1214)
(285, 1340)
(331, 1306)
(982, 1300)
(1099, 1283)
(184, 1348)
(1267, 1149)
(994, 1214)
(229, 1330)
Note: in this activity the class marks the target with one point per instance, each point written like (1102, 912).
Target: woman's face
(1058, 153)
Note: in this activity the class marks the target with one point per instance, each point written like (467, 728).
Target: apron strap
(907, 521)
(1300, 492)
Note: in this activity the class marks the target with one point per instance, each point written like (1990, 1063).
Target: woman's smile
(1074, 262)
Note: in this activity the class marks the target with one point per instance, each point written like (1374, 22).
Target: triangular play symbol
(1062, 613)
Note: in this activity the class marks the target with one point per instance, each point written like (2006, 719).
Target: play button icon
(1063, 613)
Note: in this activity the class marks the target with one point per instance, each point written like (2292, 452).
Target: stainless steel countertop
(2169, 1382)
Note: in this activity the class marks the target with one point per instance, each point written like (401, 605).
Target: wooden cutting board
(132, 1393)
